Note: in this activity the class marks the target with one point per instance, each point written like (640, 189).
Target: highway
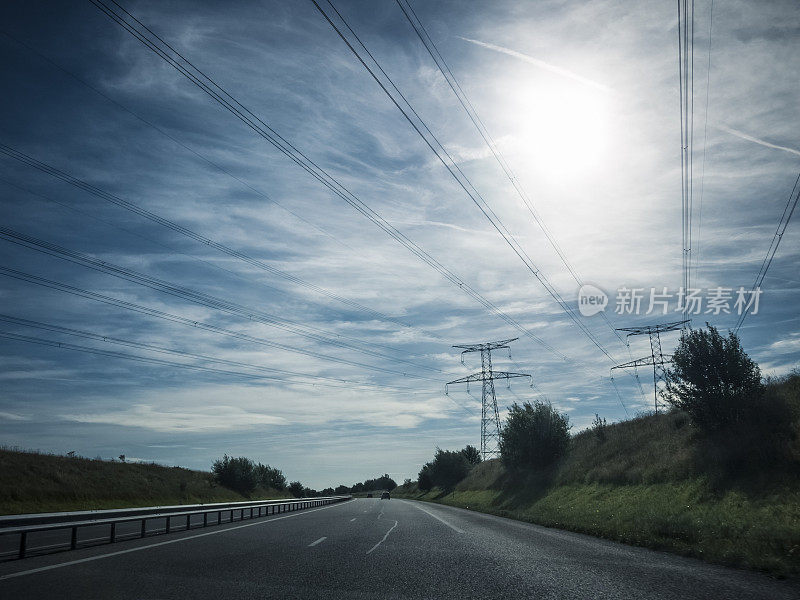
(371, 548)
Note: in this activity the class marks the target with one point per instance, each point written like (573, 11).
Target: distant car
(369, 495)
(385, 496)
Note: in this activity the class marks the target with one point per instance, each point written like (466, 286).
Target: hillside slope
(650, 482)
(31, 482)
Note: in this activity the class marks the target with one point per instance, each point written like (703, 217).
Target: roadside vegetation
(716, 477)
(34, 482)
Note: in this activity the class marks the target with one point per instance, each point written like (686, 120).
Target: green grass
(687, 518)
(652, 481)
(32, 482)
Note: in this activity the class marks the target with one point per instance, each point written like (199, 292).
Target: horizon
(338, 341)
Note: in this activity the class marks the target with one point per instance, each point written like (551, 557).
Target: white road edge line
(384, 538)
(353, 519)
(319, 541)
(138, 548)
(438, 518)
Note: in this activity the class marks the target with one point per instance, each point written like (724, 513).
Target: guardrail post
(205, 519)
(231, 515)
(23, 539)
(144, 529)
(169, 522)
(73, 542)
(112, 535)
(188, 522)
(219, 517)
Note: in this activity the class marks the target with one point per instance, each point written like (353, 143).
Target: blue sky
(582, 100)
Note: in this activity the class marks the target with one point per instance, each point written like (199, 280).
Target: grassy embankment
(653, 482)
(32, 482)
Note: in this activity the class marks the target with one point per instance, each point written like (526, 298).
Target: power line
(705, 146)
(142, 212)
(205, 159)
(190, 295)
(444, 157)
(444, 69)
(686, 92)
(138, 308)
(216, 92)
(783, 223)
(171, 351)
(161, 362)
(220, 168)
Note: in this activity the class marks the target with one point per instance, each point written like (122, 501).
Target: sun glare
(563, 132)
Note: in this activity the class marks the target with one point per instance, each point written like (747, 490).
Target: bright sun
(563, 131)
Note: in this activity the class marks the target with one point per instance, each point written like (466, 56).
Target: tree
(713, 380)
(341, 490)
(237, 474)
(472, 454)
(296, 489)
(534, 436)
(425, 479)
(599, 427)
(448, 468)
(270, 477)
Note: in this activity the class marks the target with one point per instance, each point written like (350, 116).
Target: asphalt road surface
(371, 548)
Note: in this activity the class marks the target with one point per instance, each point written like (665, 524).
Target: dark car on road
(385, 496)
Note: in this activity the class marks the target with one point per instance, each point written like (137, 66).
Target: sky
(310, 339)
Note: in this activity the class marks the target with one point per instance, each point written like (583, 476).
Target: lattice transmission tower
(490, 415)
(657, 357)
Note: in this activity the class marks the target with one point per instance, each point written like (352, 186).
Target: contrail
(750, 138)
(540, 63)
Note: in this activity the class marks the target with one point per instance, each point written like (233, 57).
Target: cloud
(13, 417)
(541, 64)
(200, 419)
(755, 140)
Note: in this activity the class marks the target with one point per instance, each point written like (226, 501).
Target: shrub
(237, 474)
(425, 478)
(534, 435)
(296, 489)
(384, 482)
(599, 427)
(270, 477)
(746, 424)
(472, 454)
(448, 468)
(713, 380)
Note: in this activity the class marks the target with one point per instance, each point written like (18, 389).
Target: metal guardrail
(24, 525)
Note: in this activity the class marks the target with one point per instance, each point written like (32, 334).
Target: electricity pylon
(490, 416)
(657, 357)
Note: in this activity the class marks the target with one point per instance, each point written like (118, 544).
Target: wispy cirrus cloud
(755, 140)
(541, 64)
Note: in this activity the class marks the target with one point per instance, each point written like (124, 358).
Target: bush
(534, 436)
(270, 477)
(296, 489)
(746, 424)
(448, 468)
(599, 427)
(237, 474)
(425, 478)
(472, 454)
(713, 380)
(384, 482)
